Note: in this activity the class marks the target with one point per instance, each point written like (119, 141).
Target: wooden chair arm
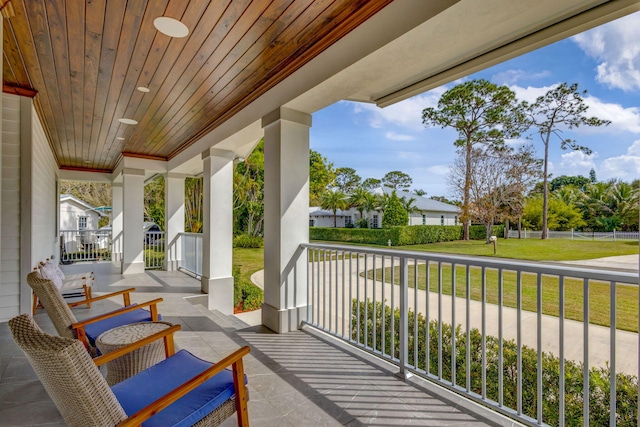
(152, 304)
(101, 360)
(234, 359)
(125, 295)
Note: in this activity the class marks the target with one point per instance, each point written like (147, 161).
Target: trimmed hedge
(246, 292)
(401, 236)
(599, 391)
(246, 241)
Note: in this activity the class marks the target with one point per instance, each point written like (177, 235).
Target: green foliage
(371, 183)
(347, 180)
(397, 180)
(366, 315)
(246, 241)
(334, 200)
(193, 208)
(564, 180)
(405, 235)
(321, 175)
(561, 216)
(394, 214)
(246, 293)
(248, 193)
(479, 232)
(154, 201)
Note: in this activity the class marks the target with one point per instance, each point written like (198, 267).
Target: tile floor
(298, 379)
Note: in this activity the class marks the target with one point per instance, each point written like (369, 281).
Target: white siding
(10, 210)
(44, 171)
(433, 218)
(70, 212)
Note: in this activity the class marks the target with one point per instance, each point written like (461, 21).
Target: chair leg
(35, 304)
(87, 294)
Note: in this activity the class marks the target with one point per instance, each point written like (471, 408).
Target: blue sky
(605, 61)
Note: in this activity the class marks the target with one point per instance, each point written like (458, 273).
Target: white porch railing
(191, 253)
(154, 250)
(85, 245)
(577, 235)
(519, 342)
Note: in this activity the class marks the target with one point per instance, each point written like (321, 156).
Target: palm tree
(358, 199)
(334, 200)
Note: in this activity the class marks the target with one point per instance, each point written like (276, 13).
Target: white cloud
(616, 48)
(440, 170)
(573, 163)
(406, 114)
(511, 77)
(399, 136)
(622, 119)
(625, 167)
(531, 93)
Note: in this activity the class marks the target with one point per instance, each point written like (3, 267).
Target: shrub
(395, 214)
(246, 241)
(626, 385)
(246, 292)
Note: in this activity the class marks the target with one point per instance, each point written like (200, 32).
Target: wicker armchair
(179, 391)
(88, 330)
(71, 286)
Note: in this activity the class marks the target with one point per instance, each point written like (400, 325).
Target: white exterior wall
(327, 221)
(433, 218)
(70, 212)
(10, 221)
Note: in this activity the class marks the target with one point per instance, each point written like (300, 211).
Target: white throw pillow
(48, 271)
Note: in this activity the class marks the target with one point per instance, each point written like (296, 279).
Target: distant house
(78, 215)
(428, 212)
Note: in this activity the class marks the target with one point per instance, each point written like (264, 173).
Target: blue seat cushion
(149, 385)
(93, 330)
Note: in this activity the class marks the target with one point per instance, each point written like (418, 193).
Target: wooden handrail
(125, 295)
(234, 359)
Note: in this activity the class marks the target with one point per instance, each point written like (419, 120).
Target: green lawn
(249, 260)
(534, 249)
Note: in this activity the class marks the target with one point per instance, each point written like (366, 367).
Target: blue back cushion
(142, 389)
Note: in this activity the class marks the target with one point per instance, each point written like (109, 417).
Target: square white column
(286, 215)
(133, 218)
(217, 229)
(116, 223)
(173, 219)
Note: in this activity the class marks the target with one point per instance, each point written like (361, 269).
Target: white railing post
(572, 234)
(404, 318)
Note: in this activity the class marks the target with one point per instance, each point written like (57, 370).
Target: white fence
(154, 252)
(576, 235)
(85, 245)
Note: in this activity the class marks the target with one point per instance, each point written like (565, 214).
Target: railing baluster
(468, 327)
(383, 323)
(440, 321)
(427, 332)
(350, 302)
(366, 301)
(330, 286)
(393, 307)
(519, 338)
(561, 352)
(415, 313)
(324, 289)
(612, 356)
(484, 333)
(539, 344)
(585, 353)
(404, 318)
(500, 341)
(453, 324)
(344, 284)
(374, 340)
(358, 300)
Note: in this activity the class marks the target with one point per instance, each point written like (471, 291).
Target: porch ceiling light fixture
(127, 121)
(143, 89)
(170, 27)
(120, 138)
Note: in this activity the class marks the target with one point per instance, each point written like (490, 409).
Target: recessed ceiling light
(128, 121)
(143, 89)
(87, 161)
(120, 138)
(171, 27)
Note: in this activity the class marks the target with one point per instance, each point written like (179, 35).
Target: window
(455, 220)
(348, 220)
(441, 219)
(311, 223)
(374, 223)
(82, 222)
(424, 220)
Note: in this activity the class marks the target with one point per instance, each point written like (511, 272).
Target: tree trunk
(506, 228)
(467, 189)
(335, 219)
(519, 227)
(489, 230)
(545, 189)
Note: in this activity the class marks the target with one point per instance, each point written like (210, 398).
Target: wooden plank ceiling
(85, 60)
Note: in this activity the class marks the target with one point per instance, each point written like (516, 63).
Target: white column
(173, 220)
(286, 186)
(116, 223)
(132, 219)
(217, 229)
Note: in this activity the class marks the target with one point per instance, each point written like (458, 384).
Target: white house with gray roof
(428, 212)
